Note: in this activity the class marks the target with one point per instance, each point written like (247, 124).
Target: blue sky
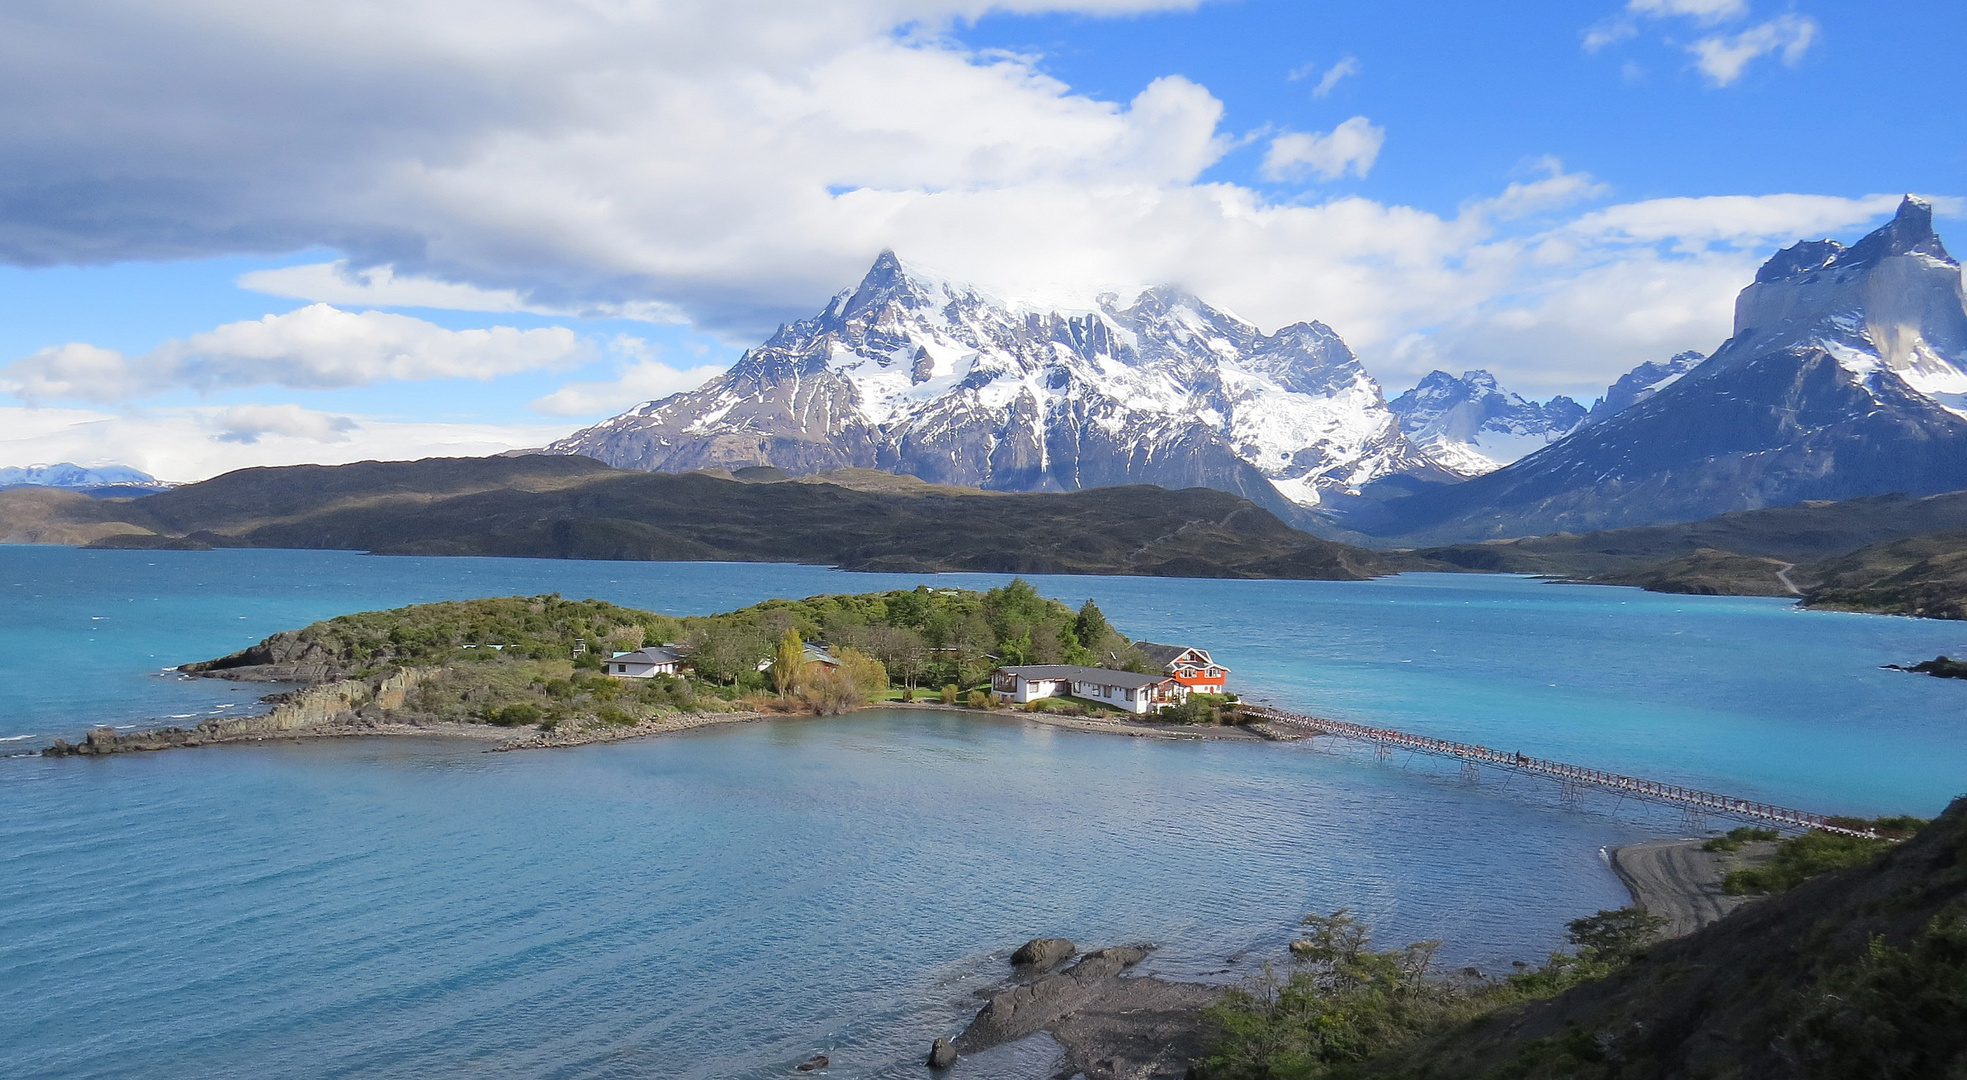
(245, 234)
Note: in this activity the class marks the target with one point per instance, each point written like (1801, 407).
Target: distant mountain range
(72, 477)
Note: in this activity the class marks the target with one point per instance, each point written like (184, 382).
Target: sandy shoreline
(1677, 881)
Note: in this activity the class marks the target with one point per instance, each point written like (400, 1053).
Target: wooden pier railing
(1652, 790)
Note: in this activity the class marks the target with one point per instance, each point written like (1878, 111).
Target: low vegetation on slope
(1857, 969)
(1891, 554)
(1919, 575)
(574, 508)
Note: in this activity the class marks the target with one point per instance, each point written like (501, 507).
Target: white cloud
(1705, 11)
(1723, 58)
(1351, 147)
(735, 165)
(187, 444)
(1556, 190)
(1736, 220)
(249, 423)
(642, 378)
(1347, 66)
(313, 348)
(381, 286)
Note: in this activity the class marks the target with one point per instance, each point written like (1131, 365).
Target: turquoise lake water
(730, 901)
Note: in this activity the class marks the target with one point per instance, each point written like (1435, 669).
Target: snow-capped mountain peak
(1472, 426)
(918, 374)
(1890, 303)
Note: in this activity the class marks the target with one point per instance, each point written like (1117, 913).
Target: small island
(545, 671)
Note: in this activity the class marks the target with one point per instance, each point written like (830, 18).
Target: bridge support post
(1572, 793)
(1471, 772)
(1382, 751)
(1693, 820)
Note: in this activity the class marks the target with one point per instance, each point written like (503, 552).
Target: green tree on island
(789, 663)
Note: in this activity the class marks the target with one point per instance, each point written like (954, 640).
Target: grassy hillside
(1919, 575)
(563, 507)
(1892, 553)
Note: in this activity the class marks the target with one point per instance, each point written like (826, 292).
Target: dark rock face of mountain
(920, 376)
(1473, 426)
(1641, 383)
(1844, 378)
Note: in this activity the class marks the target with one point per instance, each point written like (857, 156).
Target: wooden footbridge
(1574, 778)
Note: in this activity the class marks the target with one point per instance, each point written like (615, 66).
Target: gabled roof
(1164, 655)
(1074, 672)
(656, 655)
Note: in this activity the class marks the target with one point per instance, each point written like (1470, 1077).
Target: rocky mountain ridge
(1473, 426)
(913, 374)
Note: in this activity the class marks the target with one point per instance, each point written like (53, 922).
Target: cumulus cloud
(381, 286)
(317, 347)
(732, 166)
(1351, 147)
(1723, 57)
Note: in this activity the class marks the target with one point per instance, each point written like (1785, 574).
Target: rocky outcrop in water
(1111, 1024)
(341, 708)
(1043, 952)
(284, 657)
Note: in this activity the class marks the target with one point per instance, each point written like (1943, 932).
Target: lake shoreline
(104, 741)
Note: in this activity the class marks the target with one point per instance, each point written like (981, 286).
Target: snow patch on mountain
(1892, 302)
(76, 477)
(918, 374)
(1472, 426)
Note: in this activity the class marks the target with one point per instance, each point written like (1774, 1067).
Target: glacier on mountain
(916, 374)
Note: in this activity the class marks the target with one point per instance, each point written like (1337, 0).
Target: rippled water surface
(731, 901)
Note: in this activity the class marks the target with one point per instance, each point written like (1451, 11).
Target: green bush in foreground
(1347, 1002)
(1893, 1013)
(1735, 838)
(1803, 857)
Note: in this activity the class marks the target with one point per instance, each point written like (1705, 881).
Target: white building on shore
(1126, 690)
(644, 663)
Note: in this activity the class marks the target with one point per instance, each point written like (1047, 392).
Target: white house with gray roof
(1126, 690)
(644, 663)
